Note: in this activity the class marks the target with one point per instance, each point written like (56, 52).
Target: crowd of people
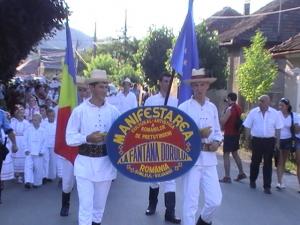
(29, 125)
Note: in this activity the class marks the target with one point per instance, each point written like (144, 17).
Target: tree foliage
(117, 53)
(117, 71)
(103, 62)
(126, 70)
(212, 57)
(119, 49)
(22, 25)
(257, 73)
(153, 53)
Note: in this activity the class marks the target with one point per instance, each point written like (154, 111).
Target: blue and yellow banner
(155, 143)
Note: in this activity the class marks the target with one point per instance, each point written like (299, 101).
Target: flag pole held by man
(67, 102)
(185, 61)
(185, 55)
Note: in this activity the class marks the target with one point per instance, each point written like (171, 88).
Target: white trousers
(68, 178)
(33, 171)
(59, 165)
(92, 200)
(46, 157)
(206, 179)
(52, 170)
(168, 186)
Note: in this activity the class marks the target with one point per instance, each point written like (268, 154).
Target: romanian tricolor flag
(67, 101)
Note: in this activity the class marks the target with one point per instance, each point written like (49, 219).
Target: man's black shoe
(172, 219)
(267, 191)
(44, 180)
(150, 211)
(252, 184)
(27, 185)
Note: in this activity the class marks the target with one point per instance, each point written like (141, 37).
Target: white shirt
(159, 100)
(113, 100)
(35, 140)
(29, 112)
(263, 126)
(44, 122)
(84, 120)
(285, 132)
(50, 129)
(20, 128)
(204, 115)
(126, 102)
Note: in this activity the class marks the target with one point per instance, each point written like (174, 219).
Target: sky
(141, 14)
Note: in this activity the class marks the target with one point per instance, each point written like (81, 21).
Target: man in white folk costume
(126, 99)
(87, 128)
(169, 186)
(203, 175)
(68, 178)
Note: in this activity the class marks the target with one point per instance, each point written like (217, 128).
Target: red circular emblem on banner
(153, 143)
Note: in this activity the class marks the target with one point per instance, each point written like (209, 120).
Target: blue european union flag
(185, 54)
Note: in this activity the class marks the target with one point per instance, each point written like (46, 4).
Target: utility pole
(95, 41)
(279, 20)
(125, 35)
(76, 57)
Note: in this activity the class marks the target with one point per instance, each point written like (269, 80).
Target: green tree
(153, 53)
(117, 71)
(104, 62)
(23, 24)
(116, 49)
(212, 57)
(257, 73)
(126, 70)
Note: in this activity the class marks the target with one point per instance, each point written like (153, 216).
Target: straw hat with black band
(200, 75)
(97, 76)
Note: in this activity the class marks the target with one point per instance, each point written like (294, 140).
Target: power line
(253, 15)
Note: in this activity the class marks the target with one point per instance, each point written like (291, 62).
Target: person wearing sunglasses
(287, 137)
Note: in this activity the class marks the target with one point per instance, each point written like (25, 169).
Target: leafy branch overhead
(22, 25)
(257, 74)
(153, 53)
(213, 57)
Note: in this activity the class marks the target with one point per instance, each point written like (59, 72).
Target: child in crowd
(19, 125)
(31, 108)
(35, 139)
(50, 128)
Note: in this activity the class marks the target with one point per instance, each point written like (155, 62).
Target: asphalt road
(127, 202)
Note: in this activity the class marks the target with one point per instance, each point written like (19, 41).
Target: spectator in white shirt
(263, 123)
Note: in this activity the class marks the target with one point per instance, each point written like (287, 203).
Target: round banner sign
(155, 143)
